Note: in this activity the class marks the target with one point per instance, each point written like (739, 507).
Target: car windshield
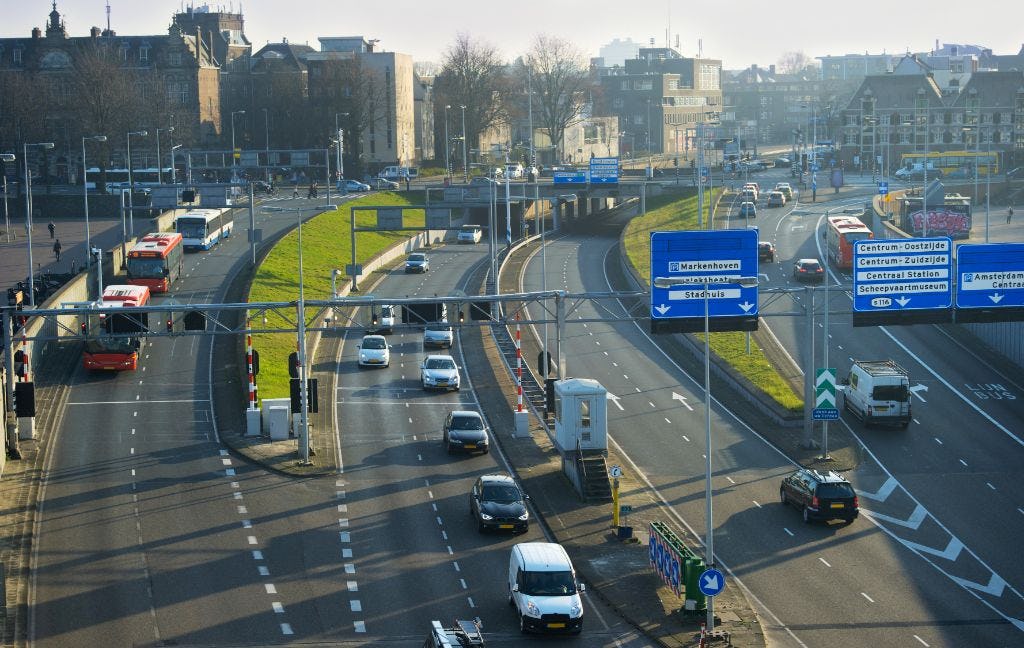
(503, 493)
(416, 257)
(835, 490)
(548, 584)
(467, 423)
(387, 311)
(439, 327)
(373, 343)
(440, 363)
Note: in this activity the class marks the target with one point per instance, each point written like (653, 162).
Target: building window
(144, 54)
(174, 58)
(16, 54)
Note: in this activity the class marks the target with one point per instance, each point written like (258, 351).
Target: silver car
(439, 372)
(438, 334)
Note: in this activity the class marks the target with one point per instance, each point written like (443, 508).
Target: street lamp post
(28, 221)
(303, 376)
(447, 145)
(159, 164)
(6, 157)
(174, 172)
(709, 543)
(85, 195)
(340, 165)
(465, 160)
(266, 140)
(131, 183)
(234, 165)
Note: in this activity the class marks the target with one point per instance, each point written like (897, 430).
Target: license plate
(838, 505)
(505, 526)
(442, 383)
(470, 446)
(881, 408)
(556, 625)
(374, 361)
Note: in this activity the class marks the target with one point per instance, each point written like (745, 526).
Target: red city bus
(156, 261)
(106, 352)
(840, 234)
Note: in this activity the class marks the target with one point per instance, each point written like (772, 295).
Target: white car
(439, 372)
(374, 351)
(385, 319)
(514, 171)
(470, 234)
(438, 334)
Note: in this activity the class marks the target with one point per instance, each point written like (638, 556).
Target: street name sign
(683, 263)
(902, 281)
(604, 170)
(990, 282)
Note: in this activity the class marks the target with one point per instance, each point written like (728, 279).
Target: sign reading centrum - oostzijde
(902, 281)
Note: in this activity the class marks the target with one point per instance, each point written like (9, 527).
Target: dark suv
(821, 496)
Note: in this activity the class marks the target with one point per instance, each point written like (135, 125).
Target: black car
(821, 496)
(496, 502)
(766, 251)
(465, 430)
(808, 271)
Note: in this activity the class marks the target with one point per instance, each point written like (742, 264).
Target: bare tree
(472, 76)
(795, 62)
(560, 84)
(355, 92)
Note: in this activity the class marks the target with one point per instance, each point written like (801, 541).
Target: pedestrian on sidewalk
(56, 249)
(1009, 214)
(50, 226)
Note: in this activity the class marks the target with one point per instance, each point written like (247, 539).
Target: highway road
(842, 586)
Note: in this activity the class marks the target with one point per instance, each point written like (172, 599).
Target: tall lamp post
(266, 140)
(159, 164)
(28, 221)
(709, 542)
(447, 145)
(131, 183)
(6, 157)
(303, 376)
(341, 145)
(234, 165)
(465, 160)
(174, 172)
(85, 195)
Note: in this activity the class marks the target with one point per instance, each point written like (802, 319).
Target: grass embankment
(667, 213)
(326, 245)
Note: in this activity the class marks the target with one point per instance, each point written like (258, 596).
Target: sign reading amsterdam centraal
(902, 281)
(990, 282)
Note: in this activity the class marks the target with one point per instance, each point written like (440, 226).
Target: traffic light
(462, 316)
(85, 328)
(375, 319)
(24, 399)
(20, 364)
(255, 362)
(312, 400)
(675, 161)
(293, 365)
(188, 195)
(170, 325)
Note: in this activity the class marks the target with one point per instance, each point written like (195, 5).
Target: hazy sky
(739, 33)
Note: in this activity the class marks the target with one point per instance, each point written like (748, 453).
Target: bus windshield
(149, 267)
(192, 228)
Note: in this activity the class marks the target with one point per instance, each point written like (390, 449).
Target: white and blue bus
(201, 229)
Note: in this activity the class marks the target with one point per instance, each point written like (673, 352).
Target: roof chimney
(94, 32)
(37, 33)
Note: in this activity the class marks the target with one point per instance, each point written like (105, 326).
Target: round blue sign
(711, 582)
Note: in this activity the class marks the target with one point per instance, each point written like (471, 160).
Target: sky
(738, 32)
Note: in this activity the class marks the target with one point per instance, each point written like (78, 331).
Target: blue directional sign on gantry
(902, 281)
(604, 170)
(990, 282)
(681, 263)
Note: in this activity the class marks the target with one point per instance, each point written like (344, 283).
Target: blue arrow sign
(570, 177)
(681, 261)
(902, 274)
(990, 275)
(883, 188)
(604, 170)
(711, 582)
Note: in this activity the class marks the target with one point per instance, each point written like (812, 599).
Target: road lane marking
(825, 562)
(871, 600)
(350, 568)
(344, 536)
(277, 607)
(343, 522)
(263, 571)
(756, 503)
(359, 626)
(257, 554)
(686, 438)
(450, 552)
(470, 599)
(439, 521)
(462, 581)
(787, 531)
(989, 484)
(246, 524)
(456, 563)
(286, 629)
(923, 642)
(251, 540)
(730, 479)
(352, 586)
(355, 605)
(269, 587)
(938, 440)
(963, 462)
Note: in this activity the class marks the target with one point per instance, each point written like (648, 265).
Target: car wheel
(480, 528)
(486, 450)
(578, 629)
(456, 389)
(511, 601)
(782, 497)
(807, 516)
(449, 448)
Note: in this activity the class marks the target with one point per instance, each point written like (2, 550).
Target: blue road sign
(990, 275)
(604, 170)
(883, 188)
(711, 582)
(902, 274)
(825, 414)
(719, 257)
(705, 171)
(570, 177)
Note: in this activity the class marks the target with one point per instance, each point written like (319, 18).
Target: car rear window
(835, 490)
(890, 393)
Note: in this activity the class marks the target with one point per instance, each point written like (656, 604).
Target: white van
(878, 391)
(398, 172)
(470, 234)
(543, 589)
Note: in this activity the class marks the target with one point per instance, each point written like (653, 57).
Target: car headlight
(524, 517)
(576, 610)
(484, 516)
(532, 609)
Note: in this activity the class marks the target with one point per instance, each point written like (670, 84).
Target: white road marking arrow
(662, 309)
(919, 388)
(746, 306)
(681, 399)
(996, 298)
(903, 301)
(615, 399)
